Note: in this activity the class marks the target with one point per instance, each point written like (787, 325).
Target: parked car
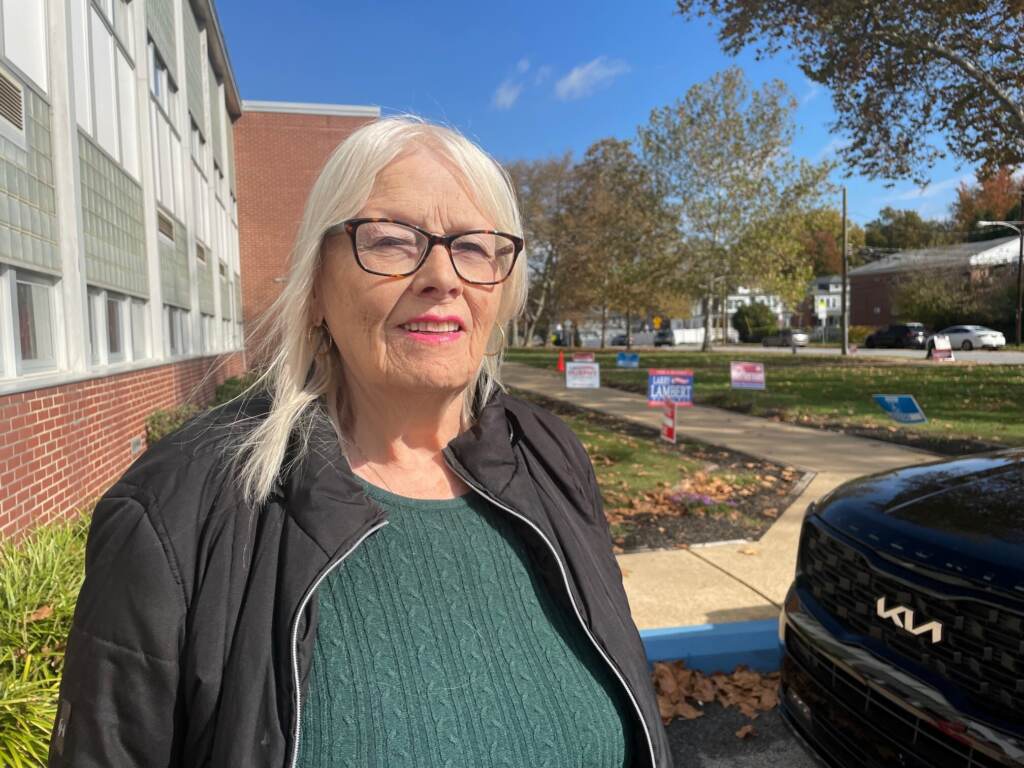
(903, 633)
(787, 337)
(668, 337)
(968, 337)
(900, 335)
(618, 340)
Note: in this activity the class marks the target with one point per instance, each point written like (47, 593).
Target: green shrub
(858, 333)
(754, 322)
(164, 421)
(39, 581)
(231, 388)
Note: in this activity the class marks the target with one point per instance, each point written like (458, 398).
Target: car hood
(963, 518)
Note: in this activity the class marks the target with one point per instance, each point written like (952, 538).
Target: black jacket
(195, 621)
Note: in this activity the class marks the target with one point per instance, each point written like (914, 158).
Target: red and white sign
(583, 357)
(582, 375)
(942, 349)
(746, 375)
(668, 422)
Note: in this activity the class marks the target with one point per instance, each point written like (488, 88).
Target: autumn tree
(905, 78)
(993, 198)
(821, 239)
(541, 186)
(896, 229)
(721, 155)
(622, 248)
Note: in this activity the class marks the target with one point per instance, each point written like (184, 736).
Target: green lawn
(963, 401)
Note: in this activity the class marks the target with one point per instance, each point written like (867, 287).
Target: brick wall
(278, 157)
(62, 447)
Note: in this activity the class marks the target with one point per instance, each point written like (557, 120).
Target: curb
(717, 647)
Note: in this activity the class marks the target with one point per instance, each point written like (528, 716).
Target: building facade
(120, 287)
(281, 149)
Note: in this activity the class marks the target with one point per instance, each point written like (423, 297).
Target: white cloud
(931, 190)
(584, 79)
(507, 94)
(811, 92)
(834, 145)
(523, 65)
(543, 73)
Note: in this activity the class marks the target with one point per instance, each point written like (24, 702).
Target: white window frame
(100, 355)
(176, 323)
(139, 309)
(13, 365)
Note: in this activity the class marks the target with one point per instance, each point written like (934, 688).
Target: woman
(375, 556)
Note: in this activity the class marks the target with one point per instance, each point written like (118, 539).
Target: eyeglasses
(396, 249)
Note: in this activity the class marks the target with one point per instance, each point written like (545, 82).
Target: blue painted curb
(717, 647)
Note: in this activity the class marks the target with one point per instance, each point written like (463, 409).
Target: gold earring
(501, 330)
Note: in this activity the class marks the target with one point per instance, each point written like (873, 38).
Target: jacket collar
(328, 503)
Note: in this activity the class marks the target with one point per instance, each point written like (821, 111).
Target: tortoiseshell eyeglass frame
(351, 225)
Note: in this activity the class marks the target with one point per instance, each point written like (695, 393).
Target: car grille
(853, 725)
(982, 647)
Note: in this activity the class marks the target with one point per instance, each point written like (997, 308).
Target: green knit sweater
(439, 645)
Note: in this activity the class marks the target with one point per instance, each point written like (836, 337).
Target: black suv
(902, 335)
(903, 633)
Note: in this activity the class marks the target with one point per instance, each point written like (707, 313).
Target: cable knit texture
(439, 646)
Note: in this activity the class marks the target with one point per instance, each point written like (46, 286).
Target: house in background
(120, 287)
(874, 286)
(824, 296)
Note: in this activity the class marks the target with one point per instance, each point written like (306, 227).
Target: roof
(300, 108)
(982, 253)
(207, 14)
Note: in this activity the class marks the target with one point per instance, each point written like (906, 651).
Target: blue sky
(526, 80)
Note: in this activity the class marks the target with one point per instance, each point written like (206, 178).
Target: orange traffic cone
(561, 361)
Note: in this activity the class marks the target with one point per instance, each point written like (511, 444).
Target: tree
(994, 198)
(541, 186)
(901, 74)
(903, 229)
(621, 247)
(721, 156)
(821, 239)
(754, 321)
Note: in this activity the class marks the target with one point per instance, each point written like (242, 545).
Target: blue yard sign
(627, 360)
(663, 385)
(901, 408)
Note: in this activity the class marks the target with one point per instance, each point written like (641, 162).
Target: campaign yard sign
(901, 408)
(582, 375)
(663, 385)
(627, 360)
(746, 375)
(941, 349)
(583, 357)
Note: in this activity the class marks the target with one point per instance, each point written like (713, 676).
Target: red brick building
(874, 287)
(281, 148)
(119, 280)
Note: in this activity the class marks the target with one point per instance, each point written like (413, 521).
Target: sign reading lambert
(746, 375)
(582, 375)
(663, 385)
(901, 408)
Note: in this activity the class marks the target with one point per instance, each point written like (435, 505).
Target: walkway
(711, 584)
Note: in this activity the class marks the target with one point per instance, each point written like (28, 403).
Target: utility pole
(1020, 264)
(845, 318)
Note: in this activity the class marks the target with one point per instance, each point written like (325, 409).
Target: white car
(969, 337)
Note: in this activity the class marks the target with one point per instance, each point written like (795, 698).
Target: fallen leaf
(44, 612)
(750, 551)
(746, 731)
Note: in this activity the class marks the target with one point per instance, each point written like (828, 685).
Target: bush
(231, 388)
(754, 322)
(40, 577)
(164, 421)
(858, 333)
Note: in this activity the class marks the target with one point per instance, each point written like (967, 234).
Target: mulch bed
(656, 519)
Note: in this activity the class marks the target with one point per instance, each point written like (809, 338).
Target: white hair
(290, 371)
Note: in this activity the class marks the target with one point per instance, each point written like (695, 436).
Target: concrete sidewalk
(711, 584)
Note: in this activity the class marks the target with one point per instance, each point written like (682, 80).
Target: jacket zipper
(579, 616)
(295, 638)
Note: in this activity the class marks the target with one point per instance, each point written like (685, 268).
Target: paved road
(710, 742)
(985, 357)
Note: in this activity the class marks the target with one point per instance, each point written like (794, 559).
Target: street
(984, 357)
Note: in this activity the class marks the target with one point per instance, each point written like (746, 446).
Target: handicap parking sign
(901, 408)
